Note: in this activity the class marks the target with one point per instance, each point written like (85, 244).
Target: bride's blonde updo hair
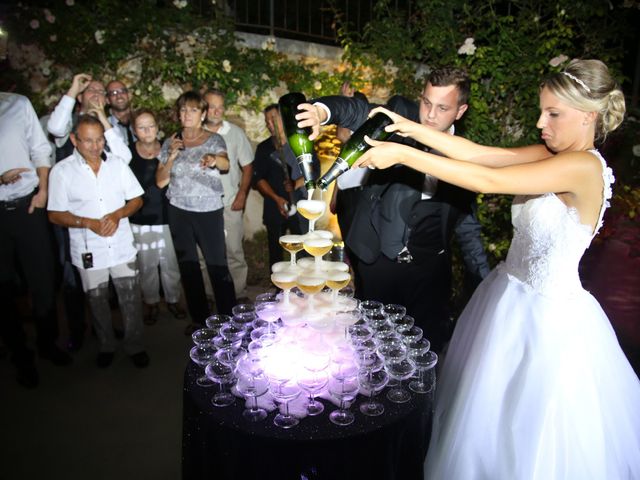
(588, 86)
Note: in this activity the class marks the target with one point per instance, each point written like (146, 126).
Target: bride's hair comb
(577, 80)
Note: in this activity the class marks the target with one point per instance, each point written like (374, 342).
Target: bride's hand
(383, 155)
(401, 125)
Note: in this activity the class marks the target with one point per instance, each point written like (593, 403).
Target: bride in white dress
(534, 384)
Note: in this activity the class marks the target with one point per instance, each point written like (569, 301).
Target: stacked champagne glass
(312, 340)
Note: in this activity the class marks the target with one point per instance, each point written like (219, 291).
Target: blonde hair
(587, 85)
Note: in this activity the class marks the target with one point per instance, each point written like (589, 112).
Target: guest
(25, 240)
(93, 192)
(150, 224)
(236, 185)
(534, 384)
(402, 229)
(191, 163)
(275, 174)
(119, 100)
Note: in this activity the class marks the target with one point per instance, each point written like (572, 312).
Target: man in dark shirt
(275, 176)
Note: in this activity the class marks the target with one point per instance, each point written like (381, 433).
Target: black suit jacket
(391, 214)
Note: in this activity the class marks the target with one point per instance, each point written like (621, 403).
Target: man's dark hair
(446, 76)
(191, 98)
(87, 119)
(268, 108)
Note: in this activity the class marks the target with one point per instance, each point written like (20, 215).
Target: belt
(9, 205)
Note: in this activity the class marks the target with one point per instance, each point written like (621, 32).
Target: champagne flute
(286, 281)
(292, 244)
(311, 210)
(317, 247)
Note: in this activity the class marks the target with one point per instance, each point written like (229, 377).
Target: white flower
(180, 4)
(49, 16)
(99, 36)
(137, 92)
(53, 38)
(636, 150)
(536, 19)
(269, 44)
(35, 24)
(264, 77)
(317, 85)
(191, 40)
(491, 247)
(70, 3)
(226, 65)
(467, 48)
(555, 61)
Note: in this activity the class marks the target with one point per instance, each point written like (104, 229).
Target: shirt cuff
(326, 109)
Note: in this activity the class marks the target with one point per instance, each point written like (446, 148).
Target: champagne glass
(372, 383)
(201, 356)
(369, 306)
(252, 383)
(223, 375)
(292, 244)
(346, 319)
(400, 370)
(394, 311)
(265, 297)
(310, 285)
(284, 391)
(285, 281)
(317, 247)
(425, 364)
(270, 313)
(313, 381)
(216, 321)
(345, 390)
(311, 210)
(411, 334)
(404, 323)
(203, 337)
(336, 281)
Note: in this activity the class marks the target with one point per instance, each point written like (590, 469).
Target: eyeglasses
(120, 91)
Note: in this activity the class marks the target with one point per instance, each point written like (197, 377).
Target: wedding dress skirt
(534, 384)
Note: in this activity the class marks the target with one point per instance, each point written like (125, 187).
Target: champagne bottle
(297, 137)
(355, 147)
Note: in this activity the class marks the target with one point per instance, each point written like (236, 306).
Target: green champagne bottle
(355, 147)
(297, 137)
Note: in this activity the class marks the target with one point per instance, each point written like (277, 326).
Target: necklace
(192, 139)
(148, 152)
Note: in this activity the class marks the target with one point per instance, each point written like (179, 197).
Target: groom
(402, 230)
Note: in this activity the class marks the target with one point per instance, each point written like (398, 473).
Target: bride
(534, 385)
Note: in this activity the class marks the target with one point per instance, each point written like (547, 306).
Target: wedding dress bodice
(549, 240)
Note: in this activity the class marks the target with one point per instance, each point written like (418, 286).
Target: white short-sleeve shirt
(73, 187)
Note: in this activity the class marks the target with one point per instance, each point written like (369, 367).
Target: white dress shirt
(61, 123)
(23, 144)
(240, 155)
(73, 187)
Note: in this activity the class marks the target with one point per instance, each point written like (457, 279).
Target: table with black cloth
(219, 444)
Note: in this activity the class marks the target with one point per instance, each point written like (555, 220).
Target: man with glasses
(119, 101)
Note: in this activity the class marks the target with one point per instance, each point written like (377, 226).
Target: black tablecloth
(218, 444)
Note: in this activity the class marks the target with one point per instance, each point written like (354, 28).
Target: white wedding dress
(535, 385)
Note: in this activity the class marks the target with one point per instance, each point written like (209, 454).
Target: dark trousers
(205, 230)
(73, 297)
(275, 231)
(25, 244)
(422, 287)
(346, 203)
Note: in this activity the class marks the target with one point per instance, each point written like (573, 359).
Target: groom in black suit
(402, 228)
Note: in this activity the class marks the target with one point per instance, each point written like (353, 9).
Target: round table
(218, 443)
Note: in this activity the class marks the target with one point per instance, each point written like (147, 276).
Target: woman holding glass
(534, 384)
(191, 162)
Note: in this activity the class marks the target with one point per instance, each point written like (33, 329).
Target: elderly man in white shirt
(24, 235)
(236, 185)
(93, 193)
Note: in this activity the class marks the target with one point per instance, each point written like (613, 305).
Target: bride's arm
(567, 172)
(457, 147)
